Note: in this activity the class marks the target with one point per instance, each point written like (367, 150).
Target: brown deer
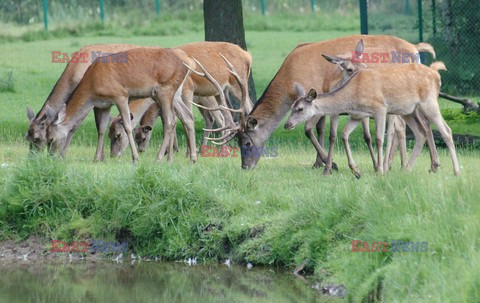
(396, 125)
(152, 72)
(306, 66)
(145, 113)
(403, 90)
(143, 133)
(61, 92)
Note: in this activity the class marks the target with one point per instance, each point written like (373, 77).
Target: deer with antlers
(406, 90)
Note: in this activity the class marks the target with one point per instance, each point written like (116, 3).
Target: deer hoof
(334, 166)
(317, 165)
(356, 172)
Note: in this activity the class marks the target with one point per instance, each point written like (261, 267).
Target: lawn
(281, 213)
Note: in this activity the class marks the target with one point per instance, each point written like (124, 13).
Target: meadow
(280, 214)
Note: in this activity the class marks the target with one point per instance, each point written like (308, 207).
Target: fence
(451, 26)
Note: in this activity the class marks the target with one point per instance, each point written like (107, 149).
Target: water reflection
(149, 282)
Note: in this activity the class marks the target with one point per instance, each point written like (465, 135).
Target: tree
(224, 22)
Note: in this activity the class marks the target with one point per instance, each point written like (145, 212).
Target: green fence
(451, 26)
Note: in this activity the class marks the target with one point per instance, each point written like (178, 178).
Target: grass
(280, 214)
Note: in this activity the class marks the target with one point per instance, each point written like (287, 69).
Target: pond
(103, 281)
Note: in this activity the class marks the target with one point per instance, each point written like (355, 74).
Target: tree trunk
(450, 35)
(224, 22)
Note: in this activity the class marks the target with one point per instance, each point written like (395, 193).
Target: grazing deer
(118, 136)
(146, 112)
(304, 65)
(61, 92)
(406, 90)
(152, 72)
(143, 133)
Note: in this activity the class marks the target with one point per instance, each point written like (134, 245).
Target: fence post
(363, 17)
(157, 7)
(102, 10)
(420, 21)
(312, 3)
(263, 5)
(45, 14)
(434, 17)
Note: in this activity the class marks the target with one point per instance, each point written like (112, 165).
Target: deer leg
(435, 162)
(446, 132)
(321, 155)
(168, 119)
(185, 115)
(391, 139)
(380, 121)
(402, 141)
(351, 125)
(368, 140)
(420, 139)
(102, 119)
(127, 125)
(333, 138)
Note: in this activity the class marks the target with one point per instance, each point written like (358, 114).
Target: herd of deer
(167, 82)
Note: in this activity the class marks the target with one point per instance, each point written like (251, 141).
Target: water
(24, 281)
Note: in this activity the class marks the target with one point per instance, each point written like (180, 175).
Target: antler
(233, 130)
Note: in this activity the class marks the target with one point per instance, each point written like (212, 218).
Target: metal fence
(451, 26)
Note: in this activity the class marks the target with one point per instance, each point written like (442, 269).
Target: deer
(143, 132)
(396, 125)
(145, 113)
(150, 72)
(304, 65)
(405, 90)
(61, 92)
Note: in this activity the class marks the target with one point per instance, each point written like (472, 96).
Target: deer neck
(336, 102)
(77, 110)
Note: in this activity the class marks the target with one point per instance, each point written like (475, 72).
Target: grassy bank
(279, 214)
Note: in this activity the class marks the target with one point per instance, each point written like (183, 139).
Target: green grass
(279, 214)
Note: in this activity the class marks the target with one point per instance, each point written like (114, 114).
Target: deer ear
(312, 95)
(147, 129)
(251, 123)
(359, 49)
(333, 59)
(61, 115)
(30, 114)
(299, 90)
(50, 113)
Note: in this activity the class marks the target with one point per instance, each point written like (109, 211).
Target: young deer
(406, 90)
(143, 132)
(152, 72)
(396, 125)
(145, 113)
